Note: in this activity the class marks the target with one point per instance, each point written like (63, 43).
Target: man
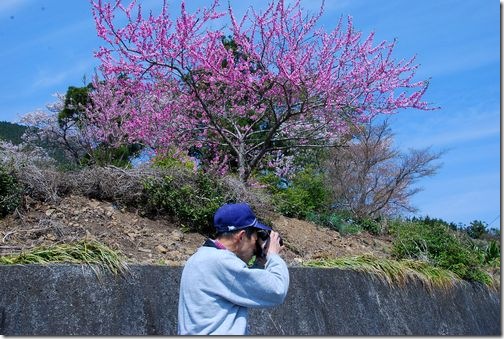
(217, 286)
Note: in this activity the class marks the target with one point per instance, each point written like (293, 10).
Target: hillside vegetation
(11, 132)
(161, 213)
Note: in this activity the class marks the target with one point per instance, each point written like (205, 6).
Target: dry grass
(83, 252)
(393, 271)
(123, 186)
(255, 197)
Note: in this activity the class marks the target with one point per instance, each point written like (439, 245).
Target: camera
(265, 235)
(262, 249)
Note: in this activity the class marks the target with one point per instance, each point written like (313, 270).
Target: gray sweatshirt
(217, 288)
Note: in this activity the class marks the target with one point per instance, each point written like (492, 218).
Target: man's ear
(239, 235)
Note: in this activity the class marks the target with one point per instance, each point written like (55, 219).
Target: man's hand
(274, 243)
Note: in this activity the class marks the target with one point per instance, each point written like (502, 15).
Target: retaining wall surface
(74, 300)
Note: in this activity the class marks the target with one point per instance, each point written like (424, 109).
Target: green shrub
(370, 225)
(169, 161)
(306, 194)
(293, 202)
(347, 228)
(477, 229)
(439, 245)
(118, 156)
(340, 221)
(492, 251)
(431, 221)
(271, 180)
(191, 198)
(345, 222)
(10, 192)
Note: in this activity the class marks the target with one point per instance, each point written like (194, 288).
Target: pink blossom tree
(268, 82)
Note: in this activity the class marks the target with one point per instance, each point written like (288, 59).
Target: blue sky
(48, 45)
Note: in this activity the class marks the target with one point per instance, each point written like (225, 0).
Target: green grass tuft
(82, 252)
(393, 271)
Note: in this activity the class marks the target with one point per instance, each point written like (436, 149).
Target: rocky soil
(146, 241)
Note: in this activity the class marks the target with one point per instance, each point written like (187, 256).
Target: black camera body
(262, 249)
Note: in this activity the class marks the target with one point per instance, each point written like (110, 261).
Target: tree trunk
(242, 164)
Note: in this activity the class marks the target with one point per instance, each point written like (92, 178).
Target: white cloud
(48, 78)
(445, 128)
(448, 61)
(448, 137)
(11, 6)
(55, 35)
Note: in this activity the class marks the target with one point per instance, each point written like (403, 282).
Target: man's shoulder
(209, 253)
(211, 257)
(209, 263)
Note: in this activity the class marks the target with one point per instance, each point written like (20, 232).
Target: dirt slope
(148, 241)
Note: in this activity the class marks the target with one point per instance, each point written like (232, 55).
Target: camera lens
(263, 235)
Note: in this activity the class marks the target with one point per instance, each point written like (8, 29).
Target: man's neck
(219, 245)
(226, 243)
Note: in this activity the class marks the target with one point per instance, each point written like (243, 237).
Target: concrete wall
(71, 300)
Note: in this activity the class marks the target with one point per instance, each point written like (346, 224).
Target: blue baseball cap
(232, 217)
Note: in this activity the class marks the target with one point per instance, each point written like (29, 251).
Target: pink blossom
(172, 81)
